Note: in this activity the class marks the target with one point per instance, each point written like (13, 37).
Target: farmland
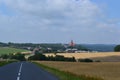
(7, 50)
(102, 56)
(105, 70)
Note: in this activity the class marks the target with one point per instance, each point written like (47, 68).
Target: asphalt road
(24, 71)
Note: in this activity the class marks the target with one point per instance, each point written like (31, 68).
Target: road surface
(24, 71)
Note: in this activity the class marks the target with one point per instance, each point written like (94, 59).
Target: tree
(37, 56)
(18, 56)
(117, 48)
(4, 56)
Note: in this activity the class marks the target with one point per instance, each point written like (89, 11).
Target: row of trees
(37, 56)
(42, 57)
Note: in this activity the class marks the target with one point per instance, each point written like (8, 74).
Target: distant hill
(100, 47)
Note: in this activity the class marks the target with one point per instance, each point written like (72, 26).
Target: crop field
(102, 56)
(105, 70)
(7, 50)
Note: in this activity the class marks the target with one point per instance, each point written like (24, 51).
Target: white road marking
(19, 73)
(20, 68)
(18, 78)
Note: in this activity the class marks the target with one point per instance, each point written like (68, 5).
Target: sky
(60, 21)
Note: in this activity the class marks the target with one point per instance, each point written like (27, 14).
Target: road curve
(24, 71)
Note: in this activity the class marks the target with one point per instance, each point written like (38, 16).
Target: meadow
(7, 50)
(105, 70)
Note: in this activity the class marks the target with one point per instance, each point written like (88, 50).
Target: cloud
(44, 18)
(58, 13)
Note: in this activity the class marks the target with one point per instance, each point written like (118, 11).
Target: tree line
(42, 57)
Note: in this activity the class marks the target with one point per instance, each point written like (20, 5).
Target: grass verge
(64, 75)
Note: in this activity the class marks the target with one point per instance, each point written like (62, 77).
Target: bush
(97, 61)
(38, 56)
(85, 60)
(18, 56)
(4, 56)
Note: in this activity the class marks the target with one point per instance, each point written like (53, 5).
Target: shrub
(38, 56)
(85, 60)
(97, 61)
(18, 56)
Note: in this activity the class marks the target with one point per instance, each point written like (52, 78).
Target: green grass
(7, 50)
(66, 75)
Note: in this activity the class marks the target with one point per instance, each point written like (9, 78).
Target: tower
(72, 44)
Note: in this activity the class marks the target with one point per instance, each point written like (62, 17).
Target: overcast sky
(59, 21)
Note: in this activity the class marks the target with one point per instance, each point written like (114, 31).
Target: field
(105, 70)
(7, 50)
(102, 56)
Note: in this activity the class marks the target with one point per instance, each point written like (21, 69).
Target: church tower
(72, 44)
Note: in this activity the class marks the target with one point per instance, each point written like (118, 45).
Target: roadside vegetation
(18, 56)
(65, 75)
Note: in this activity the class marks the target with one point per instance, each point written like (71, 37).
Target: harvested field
(105, 70)
(102, 56)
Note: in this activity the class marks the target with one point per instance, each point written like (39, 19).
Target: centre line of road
(19, 73)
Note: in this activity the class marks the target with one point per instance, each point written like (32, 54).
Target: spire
(72, 44)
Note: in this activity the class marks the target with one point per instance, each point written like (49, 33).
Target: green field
(7, 50)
